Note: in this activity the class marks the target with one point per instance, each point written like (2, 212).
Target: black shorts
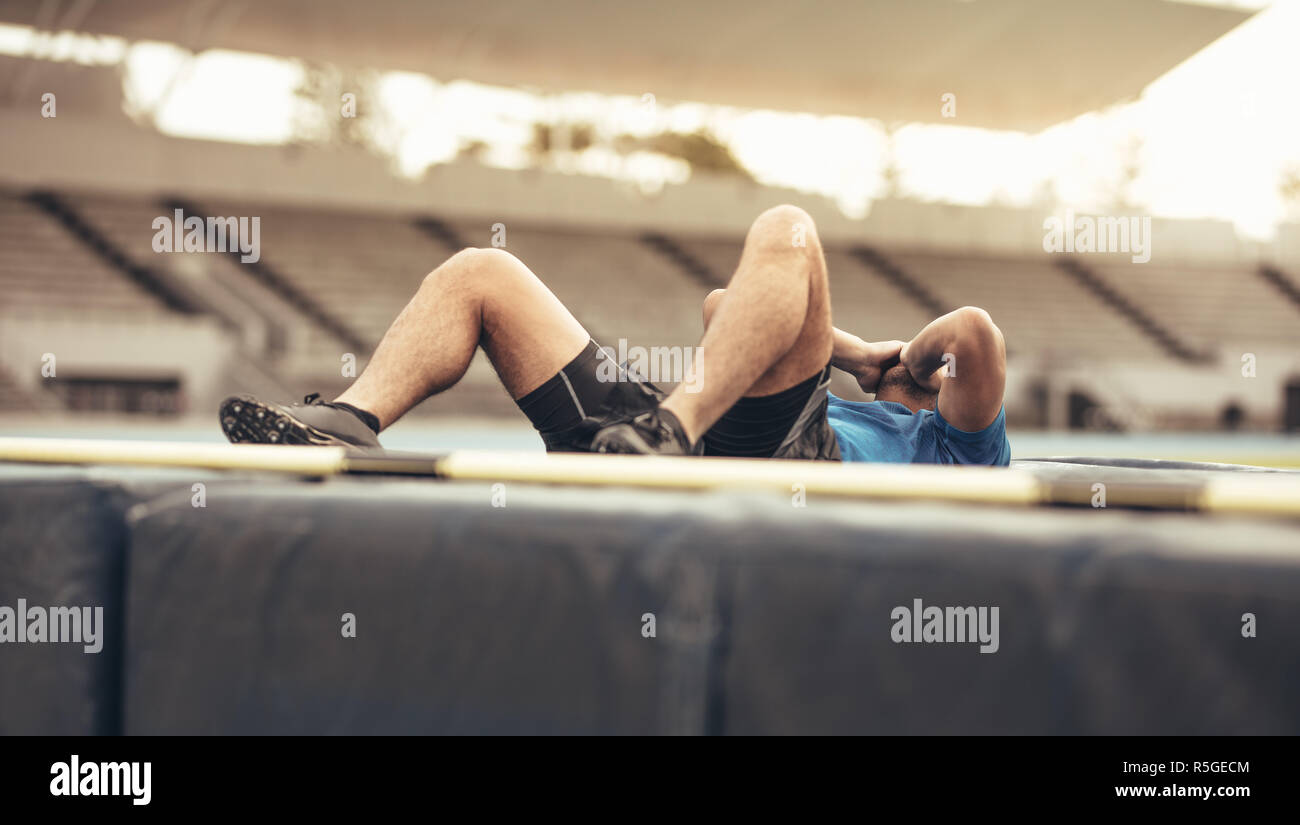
(592, 392)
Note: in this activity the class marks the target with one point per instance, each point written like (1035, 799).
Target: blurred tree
(701, 148)
(337, 106)
(473, 150)
(572, 137)
(581, 136)
(543, 141)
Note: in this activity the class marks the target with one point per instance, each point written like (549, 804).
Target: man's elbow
(981, 334)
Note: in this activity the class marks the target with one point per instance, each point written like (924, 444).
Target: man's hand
(875, 360)
(864, 360)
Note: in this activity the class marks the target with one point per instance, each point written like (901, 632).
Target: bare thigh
(812, 348)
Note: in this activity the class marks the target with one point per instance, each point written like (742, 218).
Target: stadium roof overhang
(1013, 64)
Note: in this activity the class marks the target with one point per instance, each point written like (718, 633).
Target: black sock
(571, 395)
(367, 418)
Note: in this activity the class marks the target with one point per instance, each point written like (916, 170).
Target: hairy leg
(478, 297)
(770, 329)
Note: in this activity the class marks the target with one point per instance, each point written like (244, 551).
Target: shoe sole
(621, 436)
(245, 420)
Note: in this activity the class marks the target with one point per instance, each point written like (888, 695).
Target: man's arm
(866, 361)
(971, 388)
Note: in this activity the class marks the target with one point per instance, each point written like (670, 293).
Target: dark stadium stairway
(1131, 312)
(151, 280)
(693, 267)
(266, 273)
(1280, 281)
(246, 372)
(904, 282)
(912, 289)
(443, 233)
(453, 240)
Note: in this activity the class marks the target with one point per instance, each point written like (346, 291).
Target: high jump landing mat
(498, 594)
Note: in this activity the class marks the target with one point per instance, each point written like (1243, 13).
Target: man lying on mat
(766, 356)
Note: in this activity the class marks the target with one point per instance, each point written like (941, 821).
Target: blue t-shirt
(888, 431)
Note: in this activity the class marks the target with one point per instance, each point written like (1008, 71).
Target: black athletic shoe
(657, 432)
(245, 420)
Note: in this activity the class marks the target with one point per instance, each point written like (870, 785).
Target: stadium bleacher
(361, 284)
(1038, 309)
(43, 269)
(330, 281)
(1211, 306)
(612, 282)
(128, 223)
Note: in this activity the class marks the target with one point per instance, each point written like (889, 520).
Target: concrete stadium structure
(1096, 341)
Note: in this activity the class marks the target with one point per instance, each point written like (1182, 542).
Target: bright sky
(1212, 138)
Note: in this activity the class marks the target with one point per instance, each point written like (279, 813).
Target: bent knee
(785, 213)
(785, 225)
(479, 258)
(477, 265)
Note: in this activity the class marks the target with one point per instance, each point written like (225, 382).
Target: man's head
(897, 384)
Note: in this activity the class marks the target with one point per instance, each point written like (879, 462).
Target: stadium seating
(361, 268)
(127, 222)
(1211, 307)
(43, 269)
(330, 281)
(1040, 310)
(612, 282)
